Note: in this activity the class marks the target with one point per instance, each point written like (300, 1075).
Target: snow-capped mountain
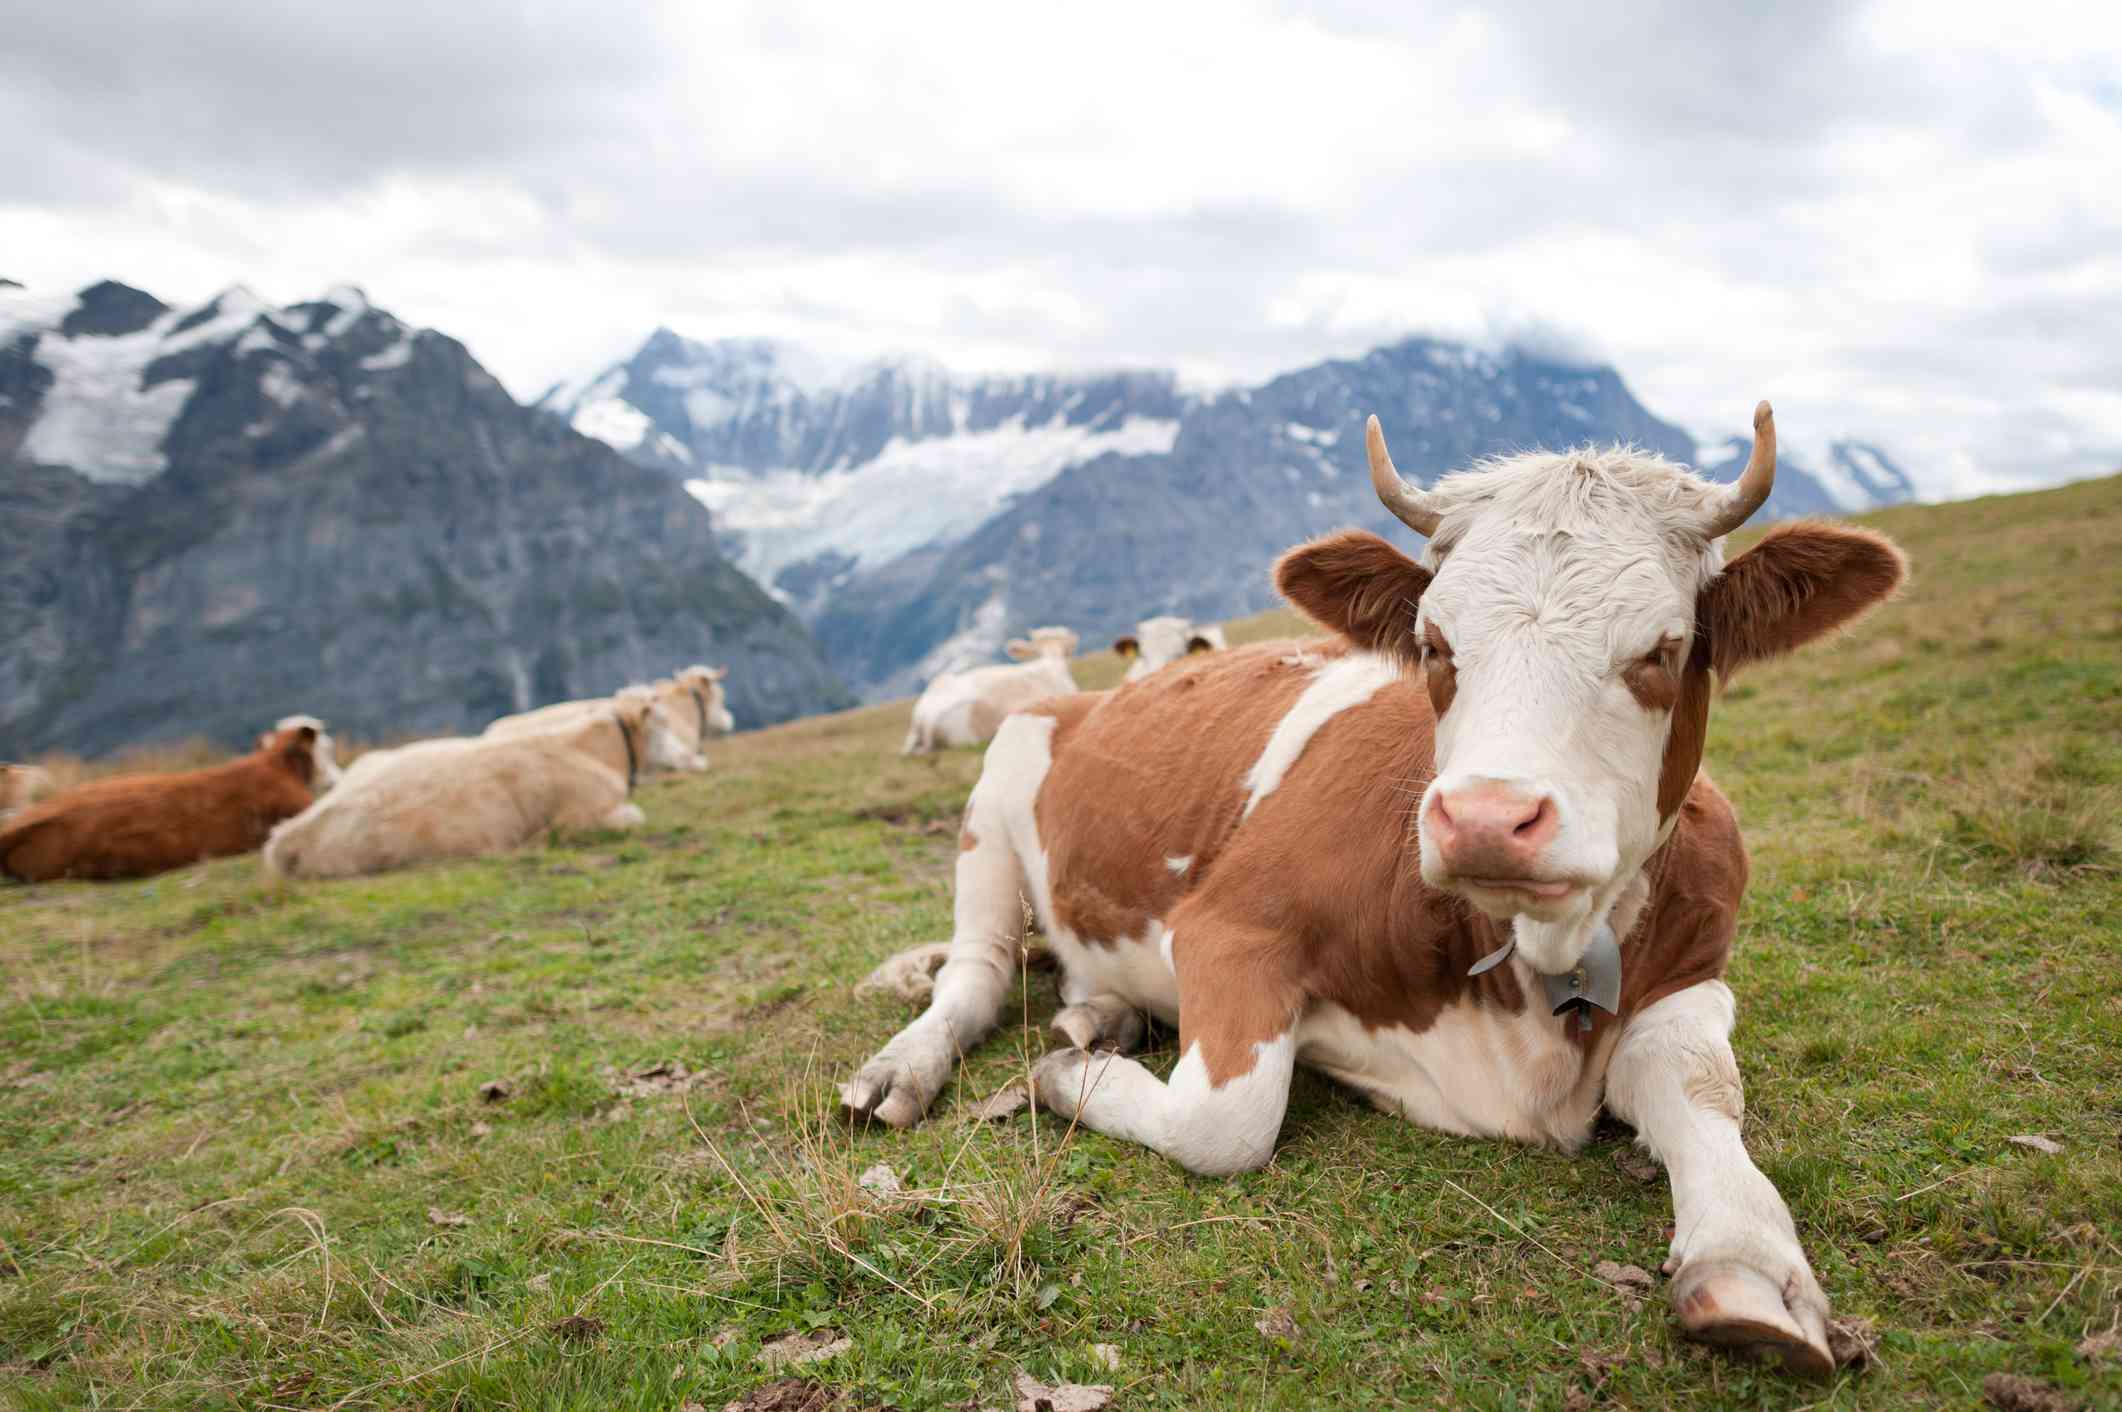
(917, 519)
(106, 374)
(210, 517)
(1844, 479)
(813, 469)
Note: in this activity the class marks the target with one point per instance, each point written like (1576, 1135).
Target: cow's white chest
(1475, 1071)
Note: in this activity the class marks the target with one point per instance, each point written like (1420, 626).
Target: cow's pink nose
(1492, 830)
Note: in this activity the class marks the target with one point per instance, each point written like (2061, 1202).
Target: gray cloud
(1873, 212)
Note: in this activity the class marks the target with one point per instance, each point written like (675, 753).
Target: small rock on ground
(794, 1350)
(1035, 1396)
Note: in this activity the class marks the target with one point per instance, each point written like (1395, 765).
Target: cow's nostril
(1542, 815)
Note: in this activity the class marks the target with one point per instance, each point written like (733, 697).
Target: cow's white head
(651, 733)
(1567, 616)
(700, 696)
(1057, 643)
(1157, 642)
(324, 765)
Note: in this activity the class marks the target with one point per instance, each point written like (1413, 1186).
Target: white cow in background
(1158, 642)
(966, 708)
(694, 699)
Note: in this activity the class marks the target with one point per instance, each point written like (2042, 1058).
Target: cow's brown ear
(1128, 648)
(1356, 584)
(1801, 581)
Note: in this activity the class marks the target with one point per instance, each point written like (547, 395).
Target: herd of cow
(1460, 854)
(570, 765)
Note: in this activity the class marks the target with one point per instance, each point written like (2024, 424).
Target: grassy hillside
(246, 1160)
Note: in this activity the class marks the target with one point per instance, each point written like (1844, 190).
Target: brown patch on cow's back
(1155, 769)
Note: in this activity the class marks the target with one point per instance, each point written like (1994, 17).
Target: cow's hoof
(1735, 1306)
(1060, 1081)
(888, 1091)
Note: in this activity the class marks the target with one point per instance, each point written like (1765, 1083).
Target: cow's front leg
(1223, 1108)
(977, 968)
(1741, 1278)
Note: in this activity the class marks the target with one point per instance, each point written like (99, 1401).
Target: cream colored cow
(964, 708)
(459, 798)
(694, 699)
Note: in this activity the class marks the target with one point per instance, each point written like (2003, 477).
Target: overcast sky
(1900, 221)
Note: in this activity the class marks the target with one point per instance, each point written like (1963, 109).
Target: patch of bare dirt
(2009, 1392)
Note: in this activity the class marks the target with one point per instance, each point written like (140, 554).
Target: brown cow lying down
(1459, 857)
(460, 798)
(697, 705)
(21, 786)
(130, 826)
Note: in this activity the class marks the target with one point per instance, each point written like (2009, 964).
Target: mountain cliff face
(917, 519)
(212, 517)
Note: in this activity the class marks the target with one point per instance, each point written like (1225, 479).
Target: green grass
(227, 1109)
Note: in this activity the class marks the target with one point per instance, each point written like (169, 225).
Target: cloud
(1882, 215)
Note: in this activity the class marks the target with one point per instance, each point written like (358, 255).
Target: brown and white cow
(131, 826)
(463, 797)
(1158, 642)
(1305, 852)
(694, 699)
(21, 786)
(964, 708)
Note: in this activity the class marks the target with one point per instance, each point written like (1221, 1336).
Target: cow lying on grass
(462, 797)
(1405, 856)
(131, 826)
(694, 700)
(1159, 642)
(21, 786)
(964, 708)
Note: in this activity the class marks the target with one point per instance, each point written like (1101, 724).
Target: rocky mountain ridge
(213, 516)
(917, 518)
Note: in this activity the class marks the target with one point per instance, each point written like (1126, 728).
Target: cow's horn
(1417, 508)
(1729, 510)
